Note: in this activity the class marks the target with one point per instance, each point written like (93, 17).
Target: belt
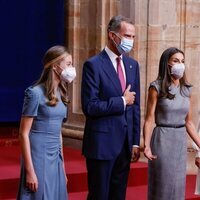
(170, 125)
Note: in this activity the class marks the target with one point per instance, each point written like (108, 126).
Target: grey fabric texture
(167, 174)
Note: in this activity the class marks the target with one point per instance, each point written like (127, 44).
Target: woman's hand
(66, 179)
(197, 162)
(148, 154)
(31, 181)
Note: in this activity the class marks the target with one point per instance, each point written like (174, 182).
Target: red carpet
(77, 174)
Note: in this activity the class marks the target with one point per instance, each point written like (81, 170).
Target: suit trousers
(107, 179)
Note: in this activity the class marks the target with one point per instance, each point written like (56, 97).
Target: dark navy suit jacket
(108, 123)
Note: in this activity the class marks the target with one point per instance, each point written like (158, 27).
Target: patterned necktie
(120, 74)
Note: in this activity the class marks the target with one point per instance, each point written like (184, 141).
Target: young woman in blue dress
(43, 174)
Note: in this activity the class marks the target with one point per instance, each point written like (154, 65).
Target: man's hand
(129, 96)
(197, 162)
(135, 154)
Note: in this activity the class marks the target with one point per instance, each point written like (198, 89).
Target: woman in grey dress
(168, 106)
(43, 174)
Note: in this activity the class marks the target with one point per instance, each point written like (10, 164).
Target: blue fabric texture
(45, 147)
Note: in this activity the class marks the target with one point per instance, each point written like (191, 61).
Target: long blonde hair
(47, 76)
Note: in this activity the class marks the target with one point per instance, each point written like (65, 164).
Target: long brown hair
(47, 76)
(164, 74)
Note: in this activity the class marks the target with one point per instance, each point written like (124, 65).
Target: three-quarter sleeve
(31, 102)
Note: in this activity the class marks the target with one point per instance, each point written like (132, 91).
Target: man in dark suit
(110, 96)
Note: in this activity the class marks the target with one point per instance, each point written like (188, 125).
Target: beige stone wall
(159, 24)
(86, 22)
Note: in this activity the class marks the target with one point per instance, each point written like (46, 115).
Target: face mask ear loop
(117, 36)
(169, 68)
(56, 71)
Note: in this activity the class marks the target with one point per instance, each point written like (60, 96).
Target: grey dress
(167, 174)
(45, 147)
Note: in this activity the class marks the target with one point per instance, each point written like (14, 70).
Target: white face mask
(125, 45)
(68, 74)
(177, 70)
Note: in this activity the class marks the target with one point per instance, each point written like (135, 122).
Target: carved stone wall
(159, 25)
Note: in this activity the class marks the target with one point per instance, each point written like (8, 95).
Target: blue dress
(45, 147)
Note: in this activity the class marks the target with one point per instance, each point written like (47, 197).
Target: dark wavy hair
(164, 74)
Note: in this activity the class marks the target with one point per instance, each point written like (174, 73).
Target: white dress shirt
(113, 57)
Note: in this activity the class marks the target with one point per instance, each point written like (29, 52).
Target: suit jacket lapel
(108, 68)
(128, 70)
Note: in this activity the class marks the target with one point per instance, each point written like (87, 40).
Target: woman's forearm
(26, 152)
(193, 133)
(147, 132)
